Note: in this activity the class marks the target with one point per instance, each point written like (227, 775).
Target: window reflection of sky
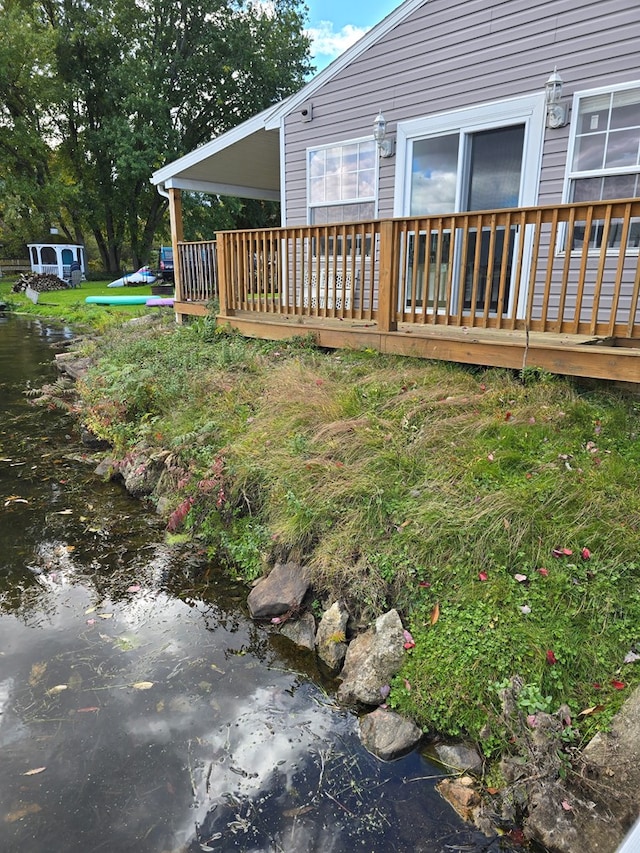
(342, 173)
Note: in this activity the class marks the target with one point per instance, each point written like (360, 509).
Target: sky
(334, 25)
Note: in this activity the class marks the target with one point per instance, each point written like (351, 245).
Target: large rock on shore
(283, 590)
(331, 643)
(387, 734)
(372, 659)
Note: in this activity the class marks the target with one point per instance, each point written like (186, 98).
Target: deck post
(225, 309)
(387, 321)
(177, 236)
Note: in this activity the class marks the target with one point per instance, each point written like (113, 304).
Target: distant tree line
(97, 94)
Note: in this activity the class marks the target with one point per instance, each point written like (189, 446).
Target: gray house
(462, 183)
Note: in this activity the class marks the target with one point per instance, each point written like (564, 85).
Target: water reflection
(140, 709)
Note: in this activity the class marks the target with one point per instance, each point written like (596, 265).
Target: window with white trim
(605, 161)
(341, 182)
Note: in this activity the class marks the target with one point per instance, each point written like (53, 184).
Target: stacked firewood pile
(42, 282)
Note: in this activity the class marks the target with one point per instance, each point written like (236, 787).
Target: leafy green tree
(114, 89)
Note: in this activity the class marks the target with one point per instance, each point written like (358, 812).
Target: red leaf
(619, 685)
(544, 572)
(483, 576)
(508, 416)
(424, 584)
(562, 552)
(408, 646)
(585, 554)
(551, 658)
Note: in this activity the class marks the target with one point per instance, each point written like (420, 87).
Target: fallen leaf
(544, 572)
(407, 685)
(525, 609)
(408, 638)
(37, 671)
(89, 610)
(134, 588)
(490, 457)
(142, 685)
(57, 689)
(25, 811)
(551, 658)
(567, 806)
(585, 554)
(618, 685)
(64, 512)
(385, 690)
(435, 613)
(424, 584)
(593, 710)
(483, 576)
(520, 578)
(532, 721)
(87, 710)
(105, 615)
(91, 621)
(15, 500)
(34, 772)
(631, 657)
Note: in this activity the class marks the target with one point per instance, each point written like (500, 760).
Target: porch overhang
(243, 162)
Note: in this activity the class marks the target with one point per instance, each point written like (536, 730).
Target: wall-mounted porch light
(556, 112)
(384, 142)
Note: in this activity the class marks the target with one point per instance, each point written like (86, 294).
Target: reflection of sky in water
(226, 742)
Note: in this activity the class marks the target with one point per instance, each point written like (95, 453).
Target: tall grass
(438, 489)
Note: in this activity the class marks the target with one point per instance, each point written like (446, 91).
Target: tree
(120, 88)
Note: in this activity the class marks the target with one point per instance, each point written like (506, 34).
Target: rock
(460, 794)
(302, 631)
(107, 468)
(163, 506)
(141, 472)
(387, 734)
(89, 439)
(331, 637)
(282, 590)
(460, 757)
(372, 660)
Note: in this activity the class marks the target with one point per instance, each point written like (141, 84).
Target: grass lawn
(69, 305)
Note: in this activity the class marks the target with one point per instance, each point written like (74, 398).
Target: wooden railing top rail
(615, 208)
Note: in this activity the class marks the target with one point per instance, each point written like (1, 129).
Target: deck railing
(569, 268)
(197, 272)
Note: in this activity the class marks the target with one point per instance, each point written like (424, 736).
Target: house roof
(245, 161)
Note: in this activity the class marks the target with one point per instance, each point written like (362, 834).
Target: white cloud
(329, 44)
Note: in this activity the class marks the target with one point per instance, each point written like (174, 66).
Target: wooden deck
(557, 288)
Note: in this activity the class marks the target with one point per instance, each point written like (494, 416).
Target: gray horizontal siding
(451, 54)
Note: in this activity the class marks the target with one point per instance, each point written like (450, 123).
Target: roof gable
(370, 38)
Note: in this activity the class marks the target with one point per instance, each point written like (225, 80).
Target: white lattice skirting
(324, 299)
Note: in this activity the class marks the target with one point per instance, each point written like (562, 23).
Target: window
(605, 161)
(342, 182)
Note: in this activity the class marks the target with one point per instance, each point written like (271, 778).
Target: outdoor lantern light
(556, 112)
(385, 145)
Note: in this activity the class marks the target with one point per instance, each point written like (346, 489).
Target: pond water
(140, 708)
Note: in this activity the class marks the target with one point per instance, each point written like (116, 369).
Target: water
(140, 709)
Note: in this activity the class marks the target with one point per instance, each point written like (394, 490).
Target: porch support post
(388, 277)
(177, 236)
(223, 281)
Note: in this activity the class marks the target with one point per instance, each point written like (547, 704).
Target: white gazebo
(56, 258)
